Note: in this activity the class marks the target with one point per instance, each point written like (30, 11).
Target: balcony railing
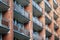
(4, 26)
(37, 10)
(37, 21)
(55, 1)
(55, 16)
(38, 1)
(37, 37)
(21, 10)
(48, 32)
(56, 36)
(37, 24)
(37, 6)
(48, 16)
(4, 5)
(47, 28)
(55, 5)
(56, 27)
(21, 33)
(47, 6)
(20, 13)
(23, 2)
(48, 21)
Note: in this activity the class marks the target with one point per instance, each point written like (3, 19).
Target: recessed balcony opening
(20, 14)
(48, 32)
(4, 5)
(20, 32)
(55, 16)
(47, 21)
(37, 10)
(56, 38)
(47, 6)
(56, 27)
(37, 25)
(55, 4)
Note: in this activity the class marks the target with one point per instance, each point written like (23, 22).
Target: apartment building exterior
(29, 20)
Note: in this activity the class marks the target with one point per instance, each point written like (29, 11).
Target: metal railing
(55, 34)
(55, 1)
(21, 10)
(47, 3)
(37, 6)
(48, 28)
(37, 21)
(5, 2)
(21, 30)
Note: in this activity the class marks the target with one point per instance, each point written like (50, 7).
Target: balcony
(4, 26)
(37, 10)
(55, 5)
(23, 2)
(56, 27)
(37, 25)
(21, 33)
(47, 6)
(47, 20)
(38, 1)
(55, 16)
(4, 5)
(37, 37)
(20, 14)
(56, 36)
(48, 32)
